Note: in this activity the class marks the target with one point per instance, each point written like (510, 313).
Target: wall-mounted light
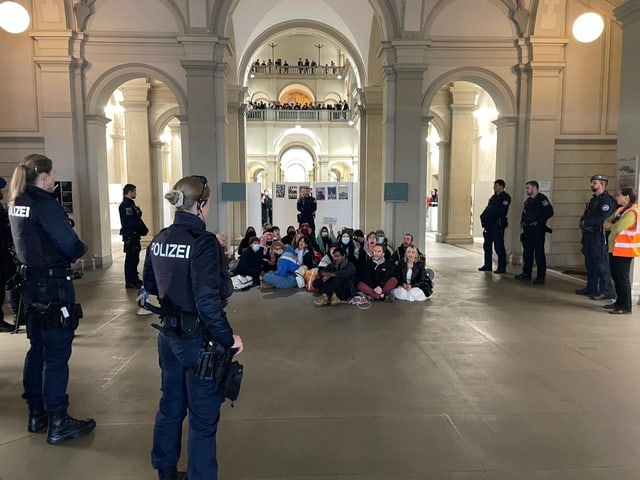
(588, 27)
(14, 18)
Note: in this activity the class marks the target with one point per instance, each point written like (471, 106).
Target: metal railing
(323, 71)
(300, 116)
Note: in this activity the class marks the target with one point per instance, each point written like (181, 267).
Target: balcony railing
(267, 70)
(301, 116)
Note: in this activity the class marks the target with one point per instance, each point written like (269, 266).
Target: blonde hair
(411, 247)
(26, 173)
(189, 191)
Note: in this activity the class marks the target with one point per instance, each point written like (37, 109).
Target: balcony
(296, 71)
(299, 116)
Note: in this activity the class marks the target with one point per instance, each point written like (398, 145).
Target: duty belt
(43, 272)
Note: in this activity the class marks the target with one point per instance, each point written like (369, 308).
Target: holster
(57, 315)
(215, 363)
(179, 325)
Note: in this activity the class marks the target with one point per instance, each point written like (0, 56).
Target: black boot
(37, 420)
(63, 427)
(171, 474)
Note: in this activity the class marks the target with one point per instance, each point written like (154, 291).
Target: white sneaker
(143, 311)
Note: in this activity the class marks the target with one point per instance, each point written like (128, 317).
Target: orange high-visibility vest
(627, 242)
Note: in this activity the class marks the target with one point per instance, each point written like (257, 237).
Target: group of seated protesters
(339, 264)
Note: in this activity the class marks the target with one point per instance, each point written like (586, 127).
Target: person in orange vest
(624, 245)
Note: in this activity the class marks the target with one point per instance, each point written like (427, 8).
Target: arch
(507, 6)
(296, 87)
(326, 31)
(104, 86)
(257, 96)
(384, 10)
(300, 137)
(254, 168)
(162, 121)
(495, 85)
(441, 126)
(344, 170)
(332, 97)
(171, 5)
(307, 164)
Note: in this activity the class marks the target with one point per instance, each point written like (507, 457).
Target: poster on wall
(627, 172)
(335, 204)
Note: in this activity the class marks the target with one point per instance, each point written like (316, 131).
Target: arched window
(296, 164)
(334, 175)
(259, 177)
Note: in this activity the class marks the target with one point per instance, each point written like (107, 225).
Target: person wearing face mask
(251, 261)
(244, 243)
(325, 238)
(288, 238)
(46, 245)
(346, 242)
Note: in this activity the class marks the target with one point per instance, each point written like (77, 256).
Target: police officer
(132, 229)
(46, 245)
(594, 240)
(307, 207)
(535, 213)
(7, 264)
(494, 221)
(185, 268)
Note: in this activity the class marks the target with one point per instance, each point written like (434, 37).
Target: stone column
(98, 236)
(175, 171)
(157, 173)
(443, 192)
(138, 160)
(117, 173)
(461, 164)
(506, 169)
(371, 171)
(628, 139)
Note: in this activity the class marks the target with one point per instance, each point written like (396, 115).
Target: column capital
(199, 68)
(628, 13)
(505, 121)
(97, 120)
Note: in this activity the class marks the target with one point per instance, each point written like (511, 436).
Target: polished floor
(492, 379)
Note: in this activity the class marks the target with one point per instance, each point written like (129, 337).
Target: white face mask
(255, 247)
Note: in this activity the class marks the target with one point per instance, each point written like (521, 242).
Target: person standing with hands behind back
(193, 285)
(46, 245)
(535, 213)
(132, 229)
(307, 207)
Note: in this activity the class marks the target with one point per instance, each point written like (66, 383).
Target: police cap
(3, 183)
(598, 176)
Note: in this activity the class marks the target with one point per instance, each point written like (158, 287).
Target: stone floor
(492, 379)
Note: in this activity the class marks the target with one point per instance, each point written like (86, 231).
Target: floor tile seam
(128, 360)
(269, 418)
(607, 368)
(467, 444)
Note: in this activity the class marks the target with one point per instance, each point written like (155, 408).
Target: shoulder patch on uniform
(545, 203)
(505, 202)
(605, 208)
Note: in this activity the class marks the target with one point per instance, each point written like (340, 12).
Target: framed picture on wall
(293, 192)
(321, 193)
(279, 190)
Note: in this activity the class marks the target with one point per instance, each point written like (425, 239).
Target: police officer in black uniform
(535, 213)
(7, 264)
(307, 207)
(185, 267)
(494, 221)
(594, 240)
(46, 245)
(132, 229)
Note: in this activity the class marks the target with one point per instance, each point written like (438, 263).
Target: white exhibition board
(335, 204)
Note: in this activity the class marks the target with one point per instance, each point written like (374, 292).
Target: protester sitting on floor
(269, 257)
(398, 255)
(288, 238)
(346, 241)
(327, 259)
(358, 242)
(382, 239)
(284, 276)
(251, 261)
(336, 281)
(276, 234)
(304, 253)
(325, 238)
(307, 231)
(414, 285)
(378, 276)
(244, 243)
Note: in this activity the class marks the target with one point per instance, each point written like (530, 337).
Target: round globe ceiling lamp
(588, 27)
(14, 18)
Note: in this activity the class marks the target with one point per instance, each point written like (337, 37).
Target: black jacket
(250, 263)
(598, 209)
(494, 215)
(185, 267)
(535, 213)
(307, 207)
(419, 277)
(376, 275)
(42, 232)
(131, 219)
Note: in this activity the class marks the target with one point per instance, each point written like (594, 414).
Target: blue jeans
(182, 391)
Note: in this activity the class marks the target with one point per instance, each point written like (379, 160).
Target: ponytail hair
(26, 173)
(189, 191)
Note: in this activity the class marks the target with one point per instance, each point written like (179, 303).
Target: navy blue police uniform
(594, 244)
(494, 221)
(132, 229)
(536, 212)
(46, 245)
(307, 207)
(184, 268)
